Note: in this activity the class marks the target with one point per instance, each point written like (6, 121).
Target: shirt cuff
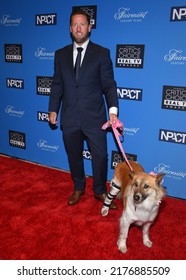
(113, 110)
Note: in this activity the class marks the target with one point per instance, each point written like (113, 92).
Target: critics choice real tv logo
(46, 19)
(174, 98)
(178, 14)
(130, 56)
(13, 53)
(43, 84)
(17, 139)
(15, 83)
(91, 11)
(117, 157)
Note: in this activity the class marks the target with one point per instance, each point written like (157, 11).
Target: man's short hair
(79, 12)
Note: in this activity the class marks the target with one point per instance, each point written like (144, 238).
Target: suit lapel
(69, 59)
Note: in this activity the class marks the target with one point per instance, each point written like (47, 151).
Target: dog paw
(104, 211)
(148, 243)
(122, 247)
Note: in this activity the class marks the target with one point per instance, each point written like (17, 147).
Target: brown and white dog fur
(141, 194)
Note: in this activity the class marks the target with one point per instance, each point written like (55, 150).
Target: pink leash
(115, 126)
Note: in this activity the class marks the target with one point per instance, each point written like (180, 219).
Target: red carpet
(37, 224)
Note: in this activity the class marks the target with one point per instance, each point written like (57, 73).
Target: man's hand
(113, 118)
(53, 117)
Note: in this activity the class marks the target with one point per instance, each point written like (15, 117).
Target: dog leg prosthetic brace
(114, 190)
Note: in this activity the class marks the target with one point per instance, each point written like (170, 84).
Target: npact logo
(46, 19)
(129, 93)
(15, 83)
(42, 116)
(172, 136)
(178, 14)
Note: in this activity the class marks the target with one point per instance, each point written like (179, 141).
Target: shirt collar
(84, 46)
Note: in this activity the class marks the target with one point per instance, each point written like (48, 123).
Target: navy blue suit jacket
(83, 102)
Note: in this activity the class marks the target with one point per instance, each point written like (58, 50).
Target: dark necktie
(78, 62)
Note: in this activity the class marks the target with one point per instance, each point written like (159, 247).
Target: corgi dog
(141, 195)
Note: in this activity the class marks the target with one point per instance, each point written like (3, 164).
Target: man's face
(80, 29)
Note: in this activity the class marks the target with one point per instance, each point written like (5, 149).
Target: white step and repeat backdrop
(147, 40)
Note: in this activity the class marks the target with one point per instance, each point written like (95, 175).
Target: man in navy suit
(82, 102)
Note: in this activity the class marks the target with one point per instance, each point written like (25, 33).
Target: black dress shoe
(75, 197)
(102, 197)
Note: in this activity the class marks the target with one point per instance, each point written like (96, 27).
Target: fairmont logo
(46, 19)
(175, 56)
(6, 20)
(129, 93)
(124, 15)
(15, 83)
(130, 56)
(164, 168)
(178, 14)
(13, 112)
(131, 131)
(172, 136)
(43, 145)
(41, 53)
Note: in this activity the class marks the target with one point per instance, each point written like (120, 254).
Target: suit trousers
(74, 138)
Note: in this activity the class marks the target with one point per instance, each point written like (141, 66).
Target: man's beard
(80, 40)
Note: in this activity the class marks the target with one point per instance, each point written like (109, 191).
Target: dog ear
(159, 178)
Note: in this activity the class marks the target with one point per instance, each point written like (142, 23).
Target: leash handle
(117, 134)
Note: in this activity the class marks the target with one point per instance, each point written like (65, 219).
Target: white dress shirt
(112, 110)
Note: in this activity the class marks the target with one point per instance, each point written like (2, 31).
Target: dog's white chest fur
(140, 213)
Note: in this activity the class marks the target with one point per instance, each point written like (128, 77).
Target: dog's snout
(137, 197)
